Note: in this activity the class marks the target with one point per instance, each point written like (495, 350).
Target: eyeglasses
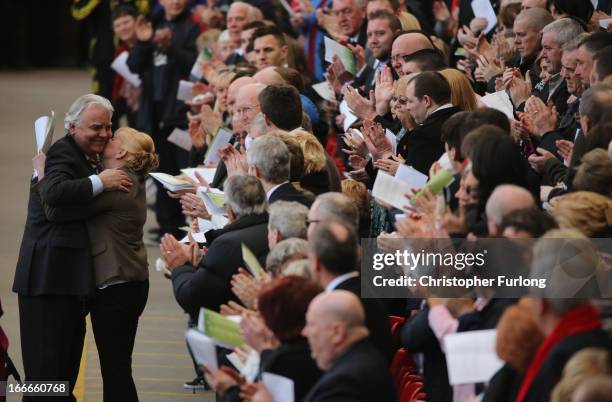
(244, 110)
(346, 12)
(399, 99)
(309, 221)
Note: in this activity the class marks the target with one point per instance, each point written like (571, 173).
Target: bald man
(505, 199)
(269, 76)
(404, 46)
(339, 343)
(334, 258)
(246, 106)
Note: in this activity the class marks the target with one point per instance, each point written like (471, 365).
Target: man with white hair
(554, 35)
(238, 15)
(287, 220)
(54, 271)
(503, 200)
(269, 160)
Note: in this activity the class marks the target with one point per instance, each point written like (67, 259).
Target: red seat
(411, 392)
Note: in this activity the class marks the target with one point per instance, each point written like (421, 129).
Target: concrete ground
(160, 361)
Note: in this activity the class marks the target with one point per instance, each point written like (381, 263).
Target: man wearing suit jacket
(334, 258)
(54, 271)
(382, 29)
(354, 368)
(428, 101)
(208, 284)
(269, 159)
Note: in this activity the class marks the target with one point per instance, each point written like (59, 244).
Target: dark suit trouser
(52, 334)
(114, 317)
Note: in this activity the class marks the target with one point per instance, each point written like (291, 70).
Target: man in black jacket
(269, 159)
(428, 101)
(334, 259)
(208, 284)
(163, 55)
(54, 270)
(354, 368)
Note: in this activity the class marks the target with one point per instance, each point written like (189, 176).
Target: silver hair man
(244, 195)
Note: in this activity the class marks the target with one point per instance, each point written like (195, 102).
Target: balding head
(269, 76)
(333, 206)
(405, 45)
(246, 107)
(503, 200)
(527, 4)
(234, 87)
(334, 250)
(334, 322)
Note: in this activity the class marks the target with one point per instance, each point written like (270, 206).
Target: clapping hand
(356, 144)
(383, 91)
(376, 140)
(390, 165)
(256, 333)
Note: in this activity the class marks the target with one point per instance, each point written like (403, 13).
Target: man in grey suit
(54, 270)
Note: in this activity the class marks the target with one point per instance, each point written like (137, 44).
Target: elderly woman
(586, 211)
(119, 259)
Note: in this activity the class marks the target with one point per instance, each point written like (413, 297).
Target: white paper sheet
(605, 22)
(344, 54)
(43, 132)
(281, 388)
(324, 91)
(207, 173)
(209, 204)
(184, 90)
(349, 117)
(205, 225)
(235, 360)
(391, 190)
(411, 176)
(121, 67)
(203, 348)
(392, 140)
(222, 138)
(483, 8)
(180, 138)
(500, 101)
(471, 357)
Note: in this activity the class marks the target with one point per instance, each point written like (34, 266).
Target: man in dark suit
(334, 260)
(54, 270)
(207, 284)
(354, 368)
(428, 101)
(382, 29)
(269, 159)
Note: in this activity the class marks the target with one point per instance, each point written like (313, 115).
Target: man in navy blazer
(54, 271)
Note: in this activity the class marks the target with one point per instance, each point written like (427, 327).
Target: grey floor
(161, 364)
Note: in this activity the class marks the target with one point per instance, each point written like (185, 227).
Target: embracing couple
(82, 250)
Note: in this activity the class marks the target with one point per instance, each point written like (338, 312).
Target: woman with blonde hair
(358, 193)
(584, 364)
(586, 211)
(315, 177)
(115, 225)
(462, 94)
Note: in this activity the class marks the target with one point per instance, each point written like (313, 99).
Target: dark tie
(94, 163)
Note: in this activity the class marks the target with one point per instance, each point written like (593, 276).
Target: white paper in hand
(349, 117)
(392, 140)
(471, 357)
(281, 388)
(390, 190)
(203, 349)
(184, 90)
(43, 132)
(344, 54)
(207, 174)
(499, 101)
(324, 91)
(222, 138)
(484, 9)
(180, 138)
(411, 176)
(121, 67)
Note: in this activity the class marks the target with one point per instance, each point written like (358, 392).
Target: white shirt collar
(269, 193)
(445, 106)
(339, 279)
